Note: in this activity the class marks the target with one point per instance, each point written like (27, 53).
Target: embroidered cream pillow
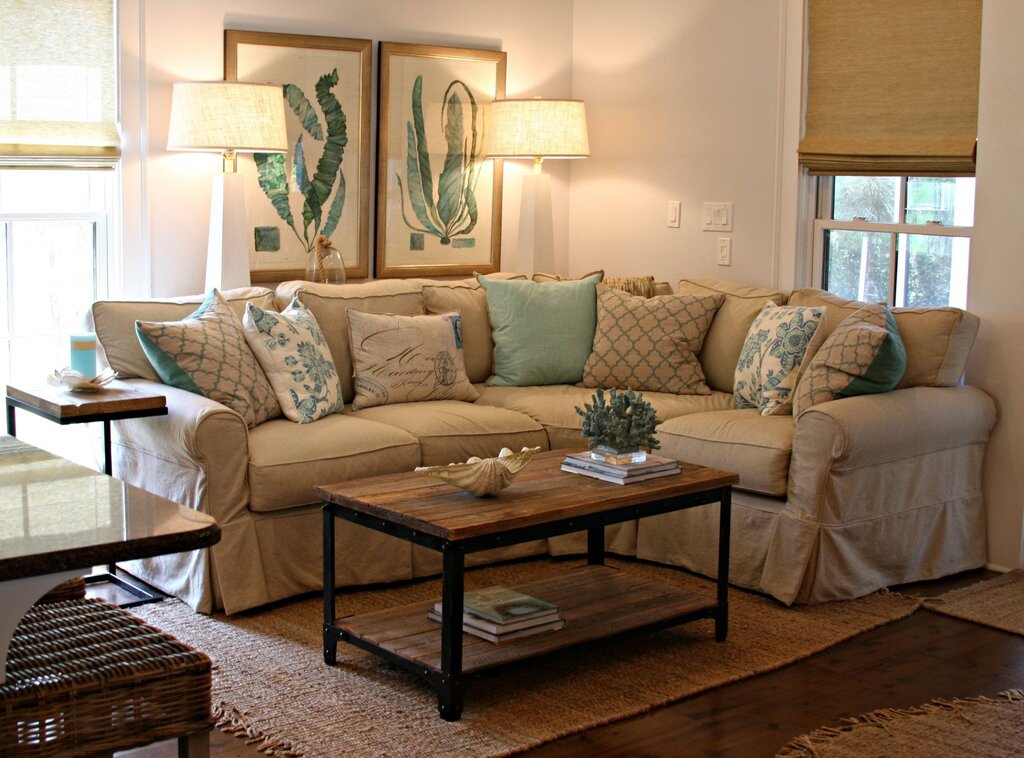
(404, 359)
(293, 352)
(780, 342)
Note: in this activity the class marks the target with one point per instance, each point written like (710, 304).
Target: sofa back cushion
(937, 340)
(469, 299)
(328, 304)
(729, 328)
(114, 324)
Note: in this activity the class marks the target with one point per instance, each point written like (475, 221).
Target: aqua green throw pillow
(543, 333)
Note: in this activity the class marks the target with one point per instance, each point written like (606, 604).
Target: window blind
(892, 87)
(58, 85)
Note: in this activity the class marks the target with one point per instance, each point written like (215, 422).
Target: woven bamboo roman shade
(58, 85)
(892, 87)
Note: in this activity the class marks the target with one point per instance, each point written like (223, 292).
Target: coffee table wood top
(59, 403)
(539, 494)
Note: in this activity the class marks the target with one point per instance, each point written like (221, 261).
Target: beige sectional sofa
(854, 495)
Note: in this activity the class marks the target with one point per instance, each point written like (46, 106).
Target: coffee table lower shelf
(595, 601)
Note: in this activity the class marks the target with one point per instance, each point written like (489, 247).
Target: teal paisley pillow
(780, 342)
(293, 352)
(206, 353)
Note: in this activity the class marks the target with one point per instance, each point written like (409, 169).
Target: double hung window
(902, 240)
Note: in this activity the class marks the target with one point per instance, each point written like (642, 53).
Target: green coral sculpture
(625, 422)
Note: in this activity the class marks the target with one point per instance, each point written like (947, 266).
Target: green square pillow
(543, 333)
(780, 343)
(293, 353)
(864, 355)
(206, 354)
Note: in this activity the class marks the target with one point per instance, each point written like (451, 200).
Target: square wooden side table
(116, 400)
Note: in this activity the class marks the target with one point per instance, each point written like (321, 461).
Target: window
(902, 240)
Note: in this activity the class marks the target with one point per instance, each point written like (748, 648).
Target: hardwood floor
(902, 664)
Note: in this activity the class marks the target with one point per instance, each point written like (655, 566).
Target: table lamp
(227, 118)
(537, 129)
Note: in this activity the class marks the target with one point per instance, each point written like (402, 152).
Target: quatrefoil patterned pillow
(205, 353)
(650, 343)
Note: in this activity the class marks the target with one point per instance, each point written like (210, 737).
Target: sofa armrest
(197, 455)
(887, 449)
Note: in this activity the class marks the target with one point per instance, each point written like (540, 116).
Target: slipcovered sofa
(853, 495)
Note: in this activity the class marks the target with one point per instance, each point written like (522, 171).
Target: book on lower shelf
(502, 632)
(500, 613)
(655, 466)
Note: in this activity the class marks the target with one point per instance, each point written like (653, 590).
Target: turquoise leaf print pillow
(294, 354)
(781, 341)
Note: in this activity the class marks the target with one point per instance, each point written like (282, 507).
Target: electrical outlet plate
(724, 251)
(716, 217)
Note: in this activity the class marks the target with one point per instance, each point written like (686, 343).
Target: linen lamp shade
(536, 129)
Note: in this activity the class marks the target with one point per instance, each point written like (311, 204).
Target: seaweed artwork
(328, 177)
(455, 212)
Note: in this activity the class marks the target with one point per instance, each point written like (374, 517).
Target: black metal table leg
(330, 642)
(724, 529)
(450, 685)
(595, 546)
(11, 429)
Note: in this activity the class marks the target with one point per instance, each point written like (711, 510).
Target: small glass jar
(326, 266)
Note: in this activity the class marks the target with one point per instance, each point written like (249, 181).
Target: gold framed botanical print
(438, 198)
(322, 185)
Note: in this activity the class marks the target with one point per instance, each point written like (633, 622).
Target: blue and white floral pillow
(296, 359)
(781, 341)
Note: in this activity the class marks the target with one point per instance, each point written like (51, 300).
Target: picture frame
(438, 199)
(284, 231)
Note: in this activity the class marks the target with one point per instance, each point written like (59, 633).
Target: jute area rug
(995, 602)
(271, 684)
(981, 727)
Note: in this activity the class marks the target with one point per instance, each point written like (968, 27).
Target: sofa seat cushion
(743, 441)
(286, 460)
(554, 407)
(450, 431)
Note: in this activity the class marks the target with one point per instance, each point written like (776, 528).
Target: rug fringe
(232, 721)
(807, 745)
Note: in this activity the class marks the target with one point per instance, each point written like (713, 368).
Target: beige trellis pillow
(403, 359)
(650, 343)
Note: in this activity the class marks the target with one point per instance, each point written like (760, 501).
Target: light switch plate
(716, 217)
(724, 251)
(673, 214)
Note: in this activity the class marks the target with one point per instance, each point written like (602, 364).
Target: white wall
(183, 40)
(997, 272)
(684, 102)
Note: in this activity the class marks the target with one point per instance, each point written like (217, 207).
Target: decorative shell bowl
(483, 477)
(72, 380)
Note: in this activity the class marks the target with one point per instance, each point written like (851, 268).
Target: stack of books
(624, 473)
(498, 613)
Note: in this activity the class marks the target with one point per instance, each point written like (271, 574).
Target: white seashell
(75, 381)
(483, 477)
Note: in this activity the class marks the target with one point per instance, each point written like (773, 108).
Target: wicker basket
(72, 589)
(85, 677)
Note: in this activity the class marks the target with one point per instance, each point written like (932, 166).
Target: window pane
(946, 199)
(857, 264)
(873, 198)
(932, 270)
(52, 191)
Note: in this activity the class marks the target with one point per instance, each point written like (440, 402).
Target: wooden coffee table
(595, 601)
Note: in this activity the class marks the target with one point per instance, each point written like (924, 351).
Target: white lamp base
(227, 254)
(536, 246)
